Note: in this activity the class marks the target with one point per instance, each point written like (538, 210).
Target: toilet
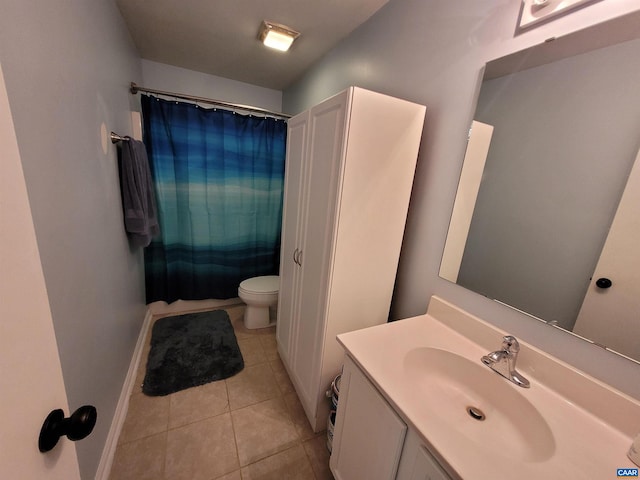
(259, 293)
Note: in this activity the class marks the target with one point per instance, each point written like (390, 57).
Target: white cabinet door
(322, 174)
(417, 463)
(291, 232)
(369, 435)
(426, 467)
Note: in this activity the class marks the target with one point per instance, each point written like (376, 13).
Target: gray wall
(565, 138)
(67, 67)
(431, 51)
(181, 80)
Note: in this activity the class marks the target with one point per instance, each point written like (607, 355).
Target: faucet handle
(510, 344)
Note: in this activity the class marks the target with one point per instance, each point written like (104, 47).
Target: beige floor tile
(142, 366)
(267, 331)
(140, 460)
(298, 417)
(231, 476)
(146, 416)
(252, 385)
(202, 450)
(236, 312)
(237, 320)
(142, 370)
(262, 430)
(316, 449)
(236, 315)
(198, 403)
(291, 464)
(252, 351)
(270, 346)
(281, 376)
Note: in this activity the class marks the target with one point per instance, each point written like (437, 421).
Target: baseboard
(106, 461)
(186, 306)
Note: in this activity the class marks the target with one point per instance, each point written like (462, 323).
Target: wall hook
(76, 427)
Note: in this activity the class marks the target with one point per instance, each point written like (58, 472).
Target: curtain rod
(234, 106)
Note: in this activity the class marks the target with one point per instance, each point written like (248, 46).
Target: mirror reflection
(555, 136)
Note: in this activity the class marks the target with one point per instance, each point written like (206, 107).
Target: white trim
(186, 306)
(106, 461)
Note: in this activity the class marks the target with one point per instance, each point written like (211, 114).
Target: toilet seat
(267, 285)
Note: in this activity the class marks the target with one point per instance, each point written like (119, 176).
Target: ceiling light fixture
(277, 36)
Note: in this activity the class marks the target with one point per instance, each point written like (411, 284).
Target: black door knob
(76, 427)
(603, 283)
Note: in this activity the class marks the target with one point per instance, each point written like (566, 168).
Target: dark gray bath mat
(191, 350)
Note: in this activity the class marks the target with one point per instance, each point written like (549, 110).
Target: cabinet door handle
(296, 256)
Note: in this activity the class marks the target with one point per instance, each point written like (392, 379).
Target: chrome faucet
(504, 361)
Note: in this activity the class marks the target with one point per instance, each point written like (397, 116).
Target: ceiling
(219, 37)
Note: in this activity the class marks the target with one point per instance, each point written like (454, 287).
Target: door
(608, 311)
(290, 245)
(468, 187)
(29, 362)
(369, 435)
(426, 467)
(322, 175)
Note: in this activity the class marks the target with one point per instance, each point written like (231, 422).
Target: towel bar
(115, 138)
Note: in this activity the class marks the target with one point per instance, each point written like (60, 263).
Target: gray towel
(138, 198)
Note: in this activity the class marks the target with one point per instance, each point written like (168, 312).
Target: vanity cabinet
(371, 441)
(349, 171)
(417, 463)
(369, 436)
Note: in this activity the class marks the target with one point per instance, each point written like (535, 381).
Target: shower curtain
(218, 177)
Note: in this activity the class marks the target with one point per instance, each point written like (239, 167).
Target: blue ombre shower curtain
(219, 178)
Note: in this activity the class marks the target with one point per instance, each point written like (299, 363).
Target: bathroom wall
(431, 52)
(67, 67)
(160, 76)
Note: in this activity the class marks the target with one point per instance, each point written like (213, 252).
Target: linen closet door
(292, 224)
(321, 186)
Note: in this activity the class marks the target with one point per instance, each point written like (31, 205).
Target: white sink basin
(479, 405)
(567, 425)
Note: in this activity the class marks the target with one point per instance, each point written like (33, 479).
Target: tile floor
(248, 427)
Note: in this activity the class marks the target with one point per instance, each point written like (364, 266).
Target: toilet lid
(266, 284)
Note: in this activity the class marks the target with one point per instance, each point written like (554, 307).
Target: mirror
(555, 135)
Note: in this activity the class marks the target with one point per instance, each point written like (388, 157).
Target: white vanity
(416, 402)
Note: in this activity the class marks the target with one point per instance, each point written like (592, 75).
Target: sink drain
(475, 413)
